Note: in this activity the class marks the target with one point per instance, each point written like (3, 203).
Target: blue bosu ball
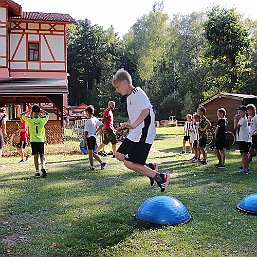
(248, 204)
(163, 210)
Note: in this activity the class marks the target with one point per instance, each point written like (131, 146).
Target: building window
(33, 51)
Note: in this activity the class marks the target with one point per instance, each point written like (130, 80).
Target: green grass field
(77, 212)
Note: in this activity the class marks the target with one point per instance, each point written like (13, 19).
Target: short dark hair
(90, 109)
(223, 111)
(201, 109)
(35, 108)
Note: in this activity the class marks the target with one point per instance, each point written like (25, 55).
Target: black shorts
(196, 144)
(254, 142)
(244, 146)
(1, 140)
(220, 144)
(22, 145)
(109, 136)
(37, 147)
(91, 142)
(186, 138)
(136, 152)
(202, 142)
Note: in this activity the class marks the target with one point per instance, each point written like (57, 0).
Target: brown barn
(228, 101)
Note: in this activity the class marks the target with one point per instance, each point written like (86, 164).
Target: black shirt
(222, 129)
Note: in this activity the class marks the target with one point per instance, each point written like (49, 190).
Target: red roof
(46, 17)
(14, 7)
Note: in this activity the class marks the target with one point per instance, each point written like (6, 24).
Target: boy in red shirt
(23, 141)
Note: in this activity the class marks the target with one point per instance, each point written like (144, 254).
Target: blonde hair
(121, 75)
(251, 106)
(189, 116)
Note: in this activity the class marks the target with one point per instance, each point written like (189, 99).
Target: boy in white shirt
(187, 127)
(194, 137)
(242, 137)
(252, 121)
(134, 151)
(92, 127)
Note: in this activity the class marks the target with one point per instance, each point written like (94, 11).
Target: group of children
(245, 126)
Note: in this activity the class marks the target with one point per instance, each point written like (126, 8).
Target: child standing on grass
(92, 127)
(204, 125)
(23, 131)
(134, 151)
(36, 123)
(242, 137)
(194, 137)
(252, 121)
(187, 127)
(220, 138)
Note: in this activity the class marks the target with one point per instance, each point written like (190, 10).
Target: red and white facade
(20, 30)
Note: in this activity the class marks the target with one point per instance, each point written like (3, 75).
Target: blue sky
(122, 14)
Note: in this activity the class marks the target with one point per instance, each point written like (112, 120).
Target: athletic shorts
(202, 142)
(1, 140)
(136, 152)
(91, 142)
(244, 146)
(186, 138)
(220, 144)
(109, 136)
(196, 144)
(37, 147)
(254, 142)
(22, 145)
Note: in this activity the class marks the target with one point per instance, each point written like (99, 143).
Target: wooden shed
(228, 101)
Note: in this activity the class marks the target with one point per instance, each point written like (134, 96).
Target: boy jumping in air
(36, 123)
(134, 151)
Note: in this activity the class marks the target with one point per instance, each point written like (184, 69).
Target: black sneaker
(152, 166)
(204, 162)
(103, 164)
(44, 174)
(162, 180)
(182, 152)
(37, 175)
(92, 168)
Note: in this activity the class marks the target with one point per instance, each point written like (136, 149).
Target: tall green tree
(228, 38)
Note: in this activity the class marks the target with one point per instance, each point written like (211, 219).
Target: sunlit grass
(77, 212)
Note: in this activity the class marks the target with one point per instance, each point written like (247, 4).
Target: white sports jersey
(194, 135)
(187, 127)
(91, 125)
(253, 126)
(138, 101)
(242, 134)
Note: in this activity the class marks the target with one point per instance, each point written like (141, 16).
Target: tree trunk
(231, 60)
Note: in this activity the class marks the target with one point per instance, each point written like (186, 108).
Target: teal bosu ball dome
(248, 204)
(163, 210)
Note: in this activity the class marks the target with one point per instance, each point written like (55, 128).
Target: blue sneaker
(102, 164)
(21, 161)
(242, 171)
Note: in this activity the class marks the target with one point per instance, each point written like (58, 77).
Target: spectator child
(92, 127)
(36, 123)
(3, 119)
(252, 121)
(23, 131)
(194, 137)
(133, 152)
(187, 127)
(220, 138)
(204, 125)
(242, 137)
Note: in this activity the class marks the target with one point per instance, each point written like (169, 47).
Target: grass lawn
(77, 212)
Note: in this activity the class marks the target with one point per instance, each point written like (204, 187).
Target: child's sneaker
(92, 168)
(219, 165)
(204, 162)
(37, 175)
(21, 161)
(103, 164)
(247, 171)
(44, 173)
(182, 152)
(162, 180)
(152, 166)
(27, 156)
(195, 160)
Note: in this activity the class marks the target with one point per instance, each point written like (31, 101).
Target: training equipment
(163, 210)
(15, 139)
(83, 149)
(248, 204)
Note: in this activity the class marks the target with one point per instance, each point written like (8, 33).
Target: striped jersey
(145, 132)
(187, 127)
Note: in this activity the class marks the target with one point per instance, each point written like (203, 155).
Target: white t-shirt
(194, 134)
(187, 127)
(242, 134)
(138, 101)
(253, 126)
(91, 125)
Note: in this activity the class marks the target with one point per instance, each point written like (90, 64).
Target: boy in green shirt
(36, 123)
